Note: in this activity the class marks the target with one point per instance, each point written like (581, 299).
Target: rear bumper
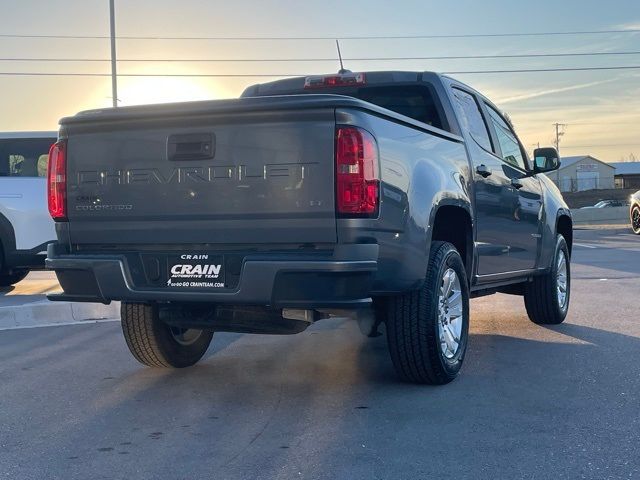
(341, 279)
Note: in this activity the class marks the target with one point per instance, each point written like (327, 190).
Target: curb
(45, 313)
(619, 228)
(600, 215)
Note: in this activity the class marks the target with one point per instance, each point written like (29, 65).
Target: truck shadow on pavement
(256, 402)
(510, 361)
(348, 359)
(5, 290)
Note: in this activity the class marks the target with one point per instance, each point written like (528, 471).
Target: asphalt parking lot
(531, 402)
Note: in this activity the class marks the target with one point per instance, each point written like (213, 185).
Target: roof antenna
(342, 70)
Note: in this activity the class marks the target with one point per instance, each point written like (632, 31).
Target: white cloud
(541, 93)
(629, 26)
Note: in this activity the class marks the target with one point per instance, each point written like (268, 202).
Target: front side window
(24, 157)
(509, 144)
(471, 118)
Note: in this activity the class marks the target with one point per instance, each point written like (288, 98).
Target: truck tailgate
(232, 178)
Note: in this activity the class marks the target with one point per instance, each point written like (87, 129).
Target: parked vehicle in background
(390, 196)
(606, 204)
(634, 212)
(25, 224)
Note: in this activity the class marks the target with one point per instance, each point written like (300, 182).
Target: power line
(288, 75)
(214, 75)
(602, 145)
(537, 108)
(597, 124)
(602, 123)
(347, 37)
(535, 70)
(354, 59)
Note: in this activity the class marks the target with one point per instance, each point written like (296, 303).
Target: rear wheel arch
(564, 227)
(452, 223)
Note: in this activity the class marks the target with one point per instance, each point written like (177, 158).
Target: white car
(606, 204)
(25, 225)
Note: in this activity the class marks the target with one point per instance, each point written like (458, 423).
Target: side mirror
(545, 160)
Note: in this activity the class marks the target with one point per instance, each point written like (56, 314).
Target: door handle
(515, 183)
(191, 146)
(483, 171)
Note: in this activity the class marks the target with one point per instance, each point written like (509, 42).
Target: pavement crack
(261, 431)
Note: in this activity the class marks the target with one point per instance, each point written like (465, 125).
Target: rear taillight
(340, 80)
(57, 181)
(357, 176)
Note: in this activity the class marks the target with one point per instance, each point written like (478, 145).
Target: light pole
(114, 74)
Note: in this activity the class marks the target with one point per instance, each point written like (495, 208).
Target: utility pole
(114, 74)
(559, 132)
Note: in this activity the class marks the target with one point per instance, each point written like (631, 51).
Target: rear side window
(24, 157)
(509, 144)
(471, 118)
(411, 101)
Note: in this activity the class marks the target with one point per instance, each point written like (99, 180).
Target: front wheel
(635, 219)
(157, 344)
(428, 329)
(546, 298)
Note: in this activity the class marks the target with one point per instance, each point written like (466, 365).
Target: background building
(627, 174)
(583, 172)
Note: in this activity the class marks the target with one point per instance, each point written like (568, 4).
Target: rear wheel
(8, 279)
(547, 296)
(156, 344)
(427, 329)
(635, 219)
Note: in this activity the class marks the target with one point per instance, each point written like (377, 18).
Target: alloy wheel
(450, 314)
(561, 279)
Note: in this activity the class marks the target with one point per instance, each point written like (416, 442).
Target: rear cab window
(472, 119)
(24, 157)
(416, 99)
(415, 102)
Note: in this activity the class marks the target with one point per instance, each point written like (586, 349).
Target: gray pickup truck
(390, 197)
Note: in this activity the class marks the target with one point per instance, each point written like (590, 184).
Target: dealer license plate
(195, 271)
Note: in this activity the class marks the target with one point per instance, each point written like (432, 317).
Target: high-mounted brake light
(57, 181)
(341, 80)
(357, 175)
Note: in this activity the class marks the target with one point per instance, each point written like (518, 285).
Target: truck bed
(228, 172)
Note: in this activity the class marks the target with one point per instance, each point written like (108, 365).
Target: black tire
(412, 320)
(154, 343)
(635, 219)
(541, 295)
(8, 279)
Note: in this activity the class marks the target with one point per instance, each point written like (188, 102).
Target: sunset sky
(601, 108)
